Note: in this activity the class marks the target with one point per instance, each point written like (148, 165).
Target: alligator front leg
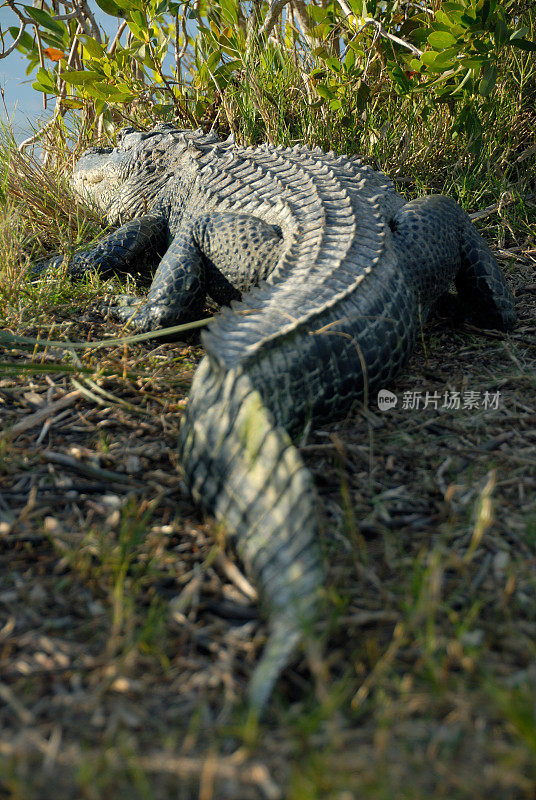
(134, 247)
(221, 254)
(177, 293)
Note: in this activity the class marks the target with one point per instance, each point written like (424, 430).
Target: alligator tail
(245, 470)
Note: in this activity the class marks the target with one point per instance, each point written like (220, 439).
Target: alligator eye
(124, 131)
(92, 178)
(100, 151)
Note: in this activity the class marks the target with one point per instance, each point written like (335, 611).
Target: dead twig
(87, 469)
(43, 413)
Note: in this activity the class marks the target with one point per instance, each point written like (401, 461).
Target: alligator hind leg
(240, 250)
(484, 296)
(437, 244)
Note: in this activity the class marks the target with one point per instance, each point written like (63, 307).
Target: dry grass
(40, 212)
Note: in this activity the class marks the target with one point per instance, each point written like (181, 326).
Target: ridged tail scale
(234, 444)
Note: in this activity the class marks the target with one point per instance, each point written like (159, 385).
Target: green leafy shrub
(283, 68)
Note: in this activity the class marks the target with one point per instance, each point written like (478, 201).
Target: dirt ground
(128, 631)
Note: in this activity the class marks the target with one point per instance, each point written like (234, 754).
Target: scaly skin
(347, 273)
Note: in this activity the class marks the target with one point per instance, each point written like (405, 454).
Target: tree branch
(15, 44)
(272, 15)
(369, 22)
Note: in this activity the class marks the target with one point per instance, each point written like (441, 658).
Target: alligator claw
(125, 308)
(138, 315)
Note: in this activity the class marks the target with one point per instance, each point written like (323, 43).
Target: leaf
(357, 7)
(134, 5)
(357, 48)
(325, 92)
(474, 61)
(93, 47)
(70, 102)
(80, 77)
(488, 80)
(447, 57)
(148, 61)
(349, 59)
(442, 17)
(162, 108)
(45, 20)
(524, 44)
(214, 59)
(443, 93)
(428, 57)
(469, 15)
(440, 40)
(33, 61)
(112, 8)
(140, 53)
(45, 80)
(439, 26)
(449, 7)
(109, 93)
(465, 80)
(39, 87)
(139, 21)
(140, 33)
(321, 32)
(501, 33)
(230, 66)
(229, 11)
(333, 64)
(451, 20)
(26, 41)
(482, 47)
(54, 54)
(419, 35)
(519, 34)
(316, 13)
(400, 79)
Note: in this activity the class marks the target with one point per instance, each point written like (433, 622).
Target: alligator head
(126, 180)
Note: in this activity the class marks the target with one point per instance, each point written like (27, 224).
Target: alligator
(326, 275)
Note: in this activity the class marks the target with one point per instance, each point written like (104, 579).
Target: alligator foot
(130, 310)
(141, 316)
